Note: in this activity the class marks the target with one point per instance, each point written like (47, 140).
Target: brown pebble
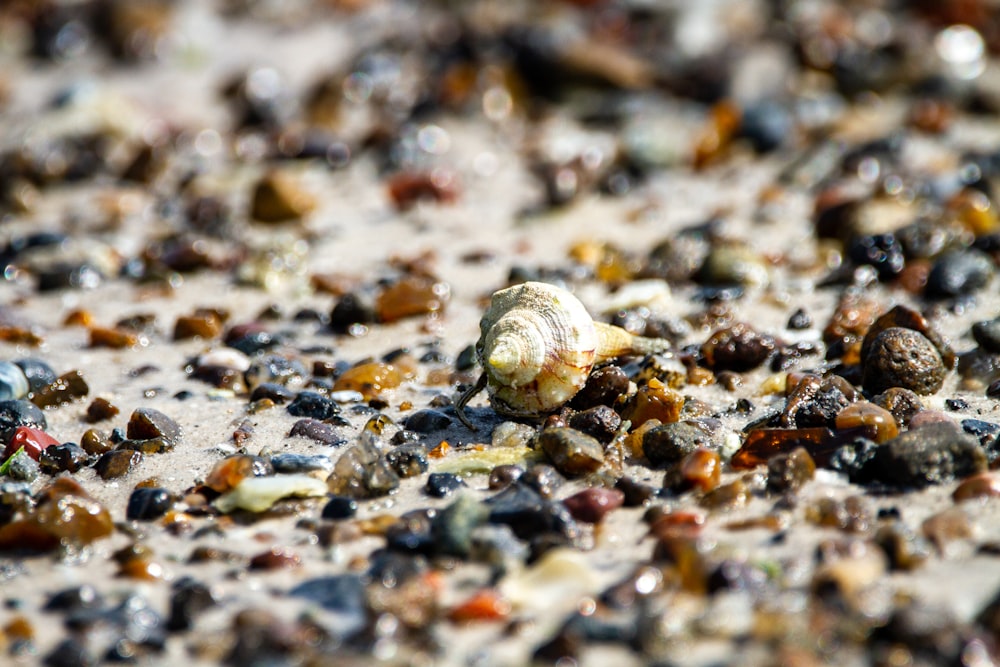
(982, 485)
(278, 197)
(737, 348)
(855, 313)
(907, 318)
(409, 297)
(590, 505)
(946, 527)
(96, 442)
(863, 413)
(852, 515)
(927, 417)
(504, 475)
(113, 338)
(902, 403)
(67, 388)
(204, 326)
(654, 401)
(232, 470)
(726, 497)
(370, 379)
(147, 424)
(603, 387)
(317, 430)
(117, 463)
(274, 559)
(101, 409)
(572, 453)
(407, 188)
(700, 469)
(901, 357)
(600, 422)
(65, 514)
(787, 473)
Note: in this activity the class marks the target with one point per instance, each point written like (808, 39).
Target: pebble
(502, 476)
(882, 251)
(22, 467)
(19, 412)
(512, 434)
(66, 388)
(151, 424)
(188, 599)
(69, 600)
(37, 372)
(277, 393)
(101, 409)
(442, 484)
(452, 527)
(278, 197)
(232, 470)
(351, 309)
(274, 369)
(933, 454)
(543, 478)
(66, 514)
(339, 507)
(71, 652)
(313, 405)
(668, 444)
(408, 460)
(301, 463)
(600, 422)
(275, 558)
(67, 457)
(987, 335)
(117, 463)
(654, 401)
(904, 358)
(788, 473)
(957, 274)
(13, 383)
(988, 435)
(905, 549)
(901, 403)
(572, 453)
(737, 348)
(34, 441)
(320, 431)
(603, 387)
(342, 595)
(701, 470)
(409, 297)
(148, 504)
(529, 514)
(863, 413)
(258, 494)
(427, 421)
(361, 472)
(591, 505)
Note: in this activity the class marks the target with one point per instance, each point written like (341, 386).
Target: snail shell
(537, 347)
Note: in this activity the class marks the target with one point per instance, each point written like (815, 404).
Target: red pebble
(590, 505)
(34, 440)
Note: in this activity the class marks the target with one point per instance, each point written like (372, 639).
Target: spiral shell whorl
(537, 348)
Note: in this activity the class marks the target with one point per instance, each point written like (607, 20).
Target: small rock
(68, 457)
(71, 652)
(19, 412)
(901, 403)
(738, 348)
(13, 383)
(959, 273)
(188, 599)
(340, 507)
(442, 484)
(258, 494)
(502, 476)
(34, 441)
(66, 388)
(148, 504)
(427, 421)
(512, 434)
(38, 373)
(277, 393)
(117, 463)
(572, 453)
(278, 197)
(313, 405)
(22, 467)
(667, 444)
(987, 334)
(603, 387)
(100, 409)
(590, 505)
(453, 526)
(904, 358)
(408, 460)
(150, 424)
(275, 558)
(529, 514)
(342, 595)
(320, 431)
(787, 473)
(599, 422)
(933, 454)
(301, 463)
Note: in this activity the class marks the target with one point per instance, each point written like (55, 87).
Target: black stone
(339, 507)
(74, 599)
(320, 431)
(856, 460)
(959, 273)
(987, 334)
(408, 460)
(956, 404)
(767, 125)
(67, 457)
(291, 463)
(342, 595)
(70, 652)
(255, 342)
(427, 421)
(600, 422)
(19, 412)
(352, 308)
(38, 373)
(442, 484)
(988, 435)
(529, 514)
(314, 405)
(882, 251)
(799, 321)
(148, 504)
(932, 454)
(667, 444)
(189, 598)
(273, 391)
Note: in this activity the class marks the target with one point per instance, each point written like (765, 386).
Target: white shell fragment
(256, 494)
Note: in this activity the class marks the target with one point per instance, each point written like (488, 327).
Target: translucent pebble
(257, 494)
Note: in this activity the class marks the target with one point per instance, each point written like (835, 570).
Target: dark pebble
(856, 460)
(426, 421)
(133, 617)
(352, 308)
(956, 404)
(904, 358)
(342, 594)
(411, 534)
(504, 475)
(66, 388)
(452, 527)
(317, 430)
(903, 547)
(278, 393)
(572, 453)
(787, 473)
(767, 125)
(799, 321)
(254, 342)
(603, 387)
(599, 422)
(543, 478)
(67, 457)
(988, 435)
(148, 424)
(188, 599)
(993, 390)
(19, 412)
(100, 409)
(340, 507)
(275, 558)
(38, 372)
(404, 437)
(738, 348)
(529, 514)
(442, 484)
(959, 273)
(408, 460)
(466, 359)
(148, 446)
(73, 599)
(117, 463)
(987, 334)
(70, 652)
(901, 403)
(881, 251)
(933, 454)
(301, 463)
(148, 504)
(313, 405)
(667, 444)
(637, 494)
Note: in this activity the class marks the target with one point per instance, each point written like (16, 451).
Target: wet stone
(427, 421)
(37, 371)
(543, 478)
(188, 599)
(959, 273)
(529, 514)
(738, 348)
(668, 444)
(799, 320)
(32, 440)
(19, 412)
(148, 504)
(276, 558)
(67, 457)
(67, 388)
(117, 463)
(787, 473)
(301, 463)
(987, 334)
(901, 403)
(603, 387)
(150, 446)
(343, 595)
(13, 383)
(572, 453)
(149, 424)
(70, 652)
(933, 454)
(442, 484)
(361, 472)
(100, 409)
(502, 476)
(74, 599)
(590, 505)
(23, 468)
(313, 405)
(408, 460)
(905, 549)
(320, 431)
(339, 507)
(901, 357)
(881, 251)
(277, 393)
(701, 470)
(599, 422)
(988, 435)
(453, 526)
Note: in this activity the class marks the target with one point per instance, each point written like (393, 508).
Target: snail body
(537, 347)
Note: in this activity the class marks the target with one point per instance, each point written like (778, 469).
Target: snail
(537, 347)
